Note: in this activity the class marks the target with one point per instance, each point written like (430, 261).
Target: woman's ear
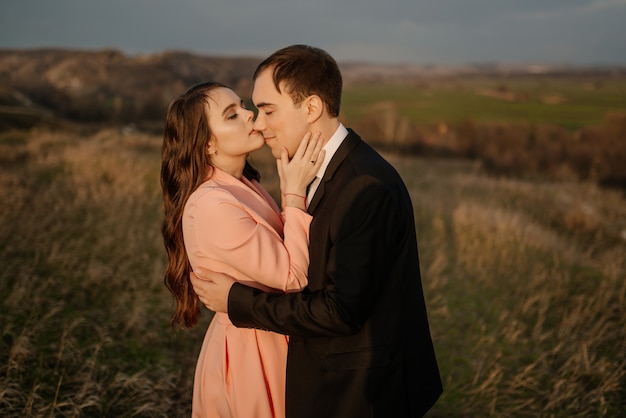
(314, 107)
(211, 148)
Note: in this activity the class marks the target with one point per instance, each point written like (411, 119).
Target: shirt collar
(331, 148)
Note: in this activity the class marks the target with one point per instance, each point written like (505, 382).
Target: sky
(429, 32)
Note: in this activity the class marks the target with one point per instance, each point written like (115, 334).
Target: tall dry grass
(526, 290)
(524, 284)
(83, 310)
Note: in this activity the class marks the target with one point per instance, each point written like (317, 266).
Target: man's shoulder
(368, 160)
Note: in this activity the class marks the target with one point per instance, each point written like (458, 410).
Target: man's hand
(212, 289)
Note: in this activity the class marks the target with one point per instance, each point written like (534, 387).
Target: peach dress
(235, 227)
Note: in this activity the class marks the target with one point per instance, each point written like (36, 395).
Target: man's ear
(314, 107)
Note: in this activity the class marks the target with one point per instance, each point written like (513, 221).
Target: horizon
(531, 66)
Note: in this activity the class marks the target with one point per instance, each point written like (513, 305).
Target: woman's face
(232, 135)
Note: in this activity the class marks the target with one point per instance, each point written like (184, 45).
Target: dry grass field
(524, 282)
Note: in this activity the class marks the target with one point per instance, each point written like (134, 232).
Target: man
(360, 343)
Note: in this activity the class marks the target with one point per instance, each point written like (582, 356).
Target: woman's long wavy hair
(184, 166)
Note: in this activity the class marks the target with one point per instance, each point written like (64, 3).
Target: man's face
(282, 123)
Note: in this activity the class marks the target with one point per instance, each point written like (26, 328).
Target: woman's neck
(234, 167)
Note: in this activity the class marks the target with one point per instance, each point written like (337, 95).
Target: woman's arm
(222, 235)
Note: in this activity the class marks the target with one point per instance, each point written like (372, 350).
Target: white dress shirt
(331, 147)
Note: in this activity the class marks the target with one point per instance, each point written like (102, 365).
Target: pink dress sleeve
(221, 234)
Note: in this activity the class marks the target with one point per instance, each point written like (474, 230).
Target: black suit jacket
(360, 343)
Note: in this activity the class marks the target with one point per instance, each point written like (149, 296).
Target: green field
(571, 102)
(524, 281)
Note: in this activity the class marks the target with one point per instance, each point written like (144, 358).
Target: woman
(219, 217)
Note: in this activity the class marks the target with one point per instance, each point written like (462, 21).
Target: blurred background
(507, 121)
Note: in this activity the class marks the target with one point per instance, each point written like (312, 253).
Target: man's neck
(327, 127)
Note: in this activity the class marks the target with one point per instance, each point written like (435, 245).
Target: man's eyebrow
(263, 104)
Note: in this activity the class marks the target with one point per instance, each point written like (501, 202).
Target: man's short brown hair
(306, 71)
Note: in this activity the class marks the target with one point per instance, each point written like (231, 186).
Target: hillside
(54, 86)
(524, 282)
(105, 86)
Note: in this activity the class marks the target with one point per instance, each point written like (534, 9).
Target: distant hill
(56, 86)
(98, 86)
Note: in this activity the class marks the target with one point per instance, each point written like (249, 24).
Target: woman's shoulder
(210, 192)
(211, 195)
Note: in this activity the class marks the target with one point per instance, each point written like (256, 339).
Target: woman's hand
(296, 174)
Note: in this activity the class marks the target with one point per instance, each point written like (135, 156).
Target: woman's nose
(259, 124)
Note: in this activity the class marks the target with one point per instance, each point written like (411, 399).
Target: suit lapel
(348, 144)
